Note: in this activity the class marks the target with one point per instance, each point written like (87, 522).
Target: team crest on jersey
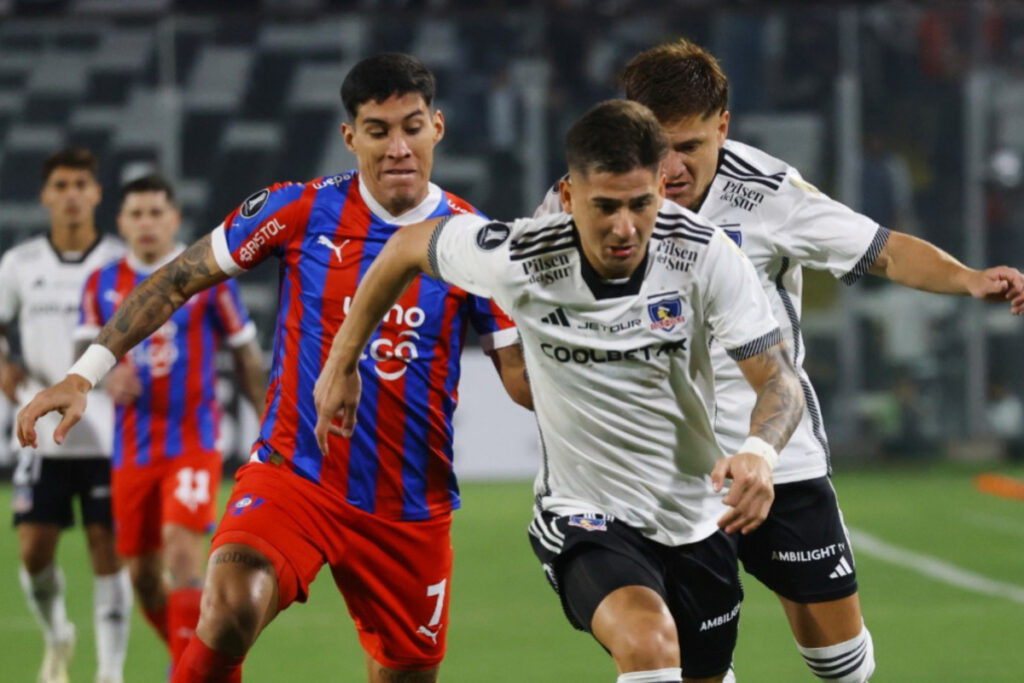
(246, 502)
(492, 236)
(254, 203)
(590, 521)
(735, 235)
(666, 313)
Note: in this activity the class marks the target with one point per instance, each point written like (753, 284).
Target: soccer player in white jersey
(41, 283)
(783, 223)
(616, 301)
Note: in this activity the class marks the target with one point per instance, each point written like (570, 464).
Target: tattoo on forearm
(152, 302)
(234, 557)
(780, 403)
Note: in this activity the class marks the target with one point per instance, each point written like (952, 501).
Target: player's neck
(72, 236)
(150, 257)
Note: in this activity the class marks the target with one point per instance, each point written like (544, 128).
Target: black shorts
(802, 551)
(586, 557)
(44, 489)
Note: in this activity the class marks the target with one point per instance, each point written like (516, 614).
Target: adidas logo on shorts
(842, 569)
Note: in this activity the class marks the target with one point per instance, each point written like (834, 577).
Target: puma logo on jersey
(429, 634)
(336, 248)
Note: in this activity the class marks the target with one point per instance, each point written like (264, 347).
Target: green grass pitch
(507, 626)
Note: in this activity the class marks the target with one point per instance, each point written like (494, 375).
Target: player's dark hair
(615, 136)
(379, 77)
(80, 158)
(151, 182)
(677, 80)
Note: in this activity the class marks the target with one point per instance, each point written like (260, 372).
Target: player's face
(692, 157)
(148, 222)
(614, 214)
(70, 195)
(394, 143)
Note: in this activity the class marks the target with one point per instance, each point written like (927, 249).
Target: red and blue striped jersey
(177, 410)
(325, 233)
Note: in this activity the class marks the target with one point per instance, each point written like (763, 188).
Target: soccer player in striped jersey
(616, 300)
(165, 462)
(40, 287)
(783, 223)
(377, 508)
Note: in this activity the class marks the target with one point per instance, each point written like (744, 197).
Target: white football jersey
(620, 372)
(782, 223)
(42, 289)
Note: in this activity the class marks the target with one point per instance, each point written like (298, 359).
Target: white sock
(111, 616)
(670, 675)
(851, 661)
(44, 592)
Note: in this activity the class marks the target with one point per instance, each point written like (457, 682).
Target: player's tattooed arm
(780, 398)
(252, 378)
(152, 302)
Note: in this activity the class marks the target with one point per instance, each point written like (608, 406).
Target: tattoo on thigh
(235, 557)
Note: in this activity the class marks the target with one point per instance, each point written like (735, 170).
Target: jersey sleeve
(470, 252)
(552, 203)
(737, 309)
(230, 317)
(9, 299)
(90, 319)
(821, 233)
(493, 325)
(259, 227)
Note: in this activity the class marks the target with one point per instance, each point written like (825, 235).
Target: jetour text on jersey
(565, 354)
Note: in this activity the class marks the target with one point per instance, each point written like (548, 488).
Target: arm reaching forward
(777, 412)
(919, 264)
(143, 311)
(336, 393)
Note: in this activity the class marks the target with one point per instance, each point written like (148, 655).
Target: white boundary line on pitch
(933, 567)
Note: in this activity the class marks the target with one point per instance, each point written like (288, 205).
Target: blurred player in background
(378, 508)
(616, 299)
(165, 462)
(802, 551)
(40, 286)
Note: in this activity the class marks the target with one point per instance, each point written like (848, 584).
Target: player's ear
(662, 179)
(723, 127)
(438, 121)
(565, 194)
(348, 132)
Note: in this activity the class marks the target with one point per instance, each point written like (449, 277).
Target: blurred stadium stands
(911, 112)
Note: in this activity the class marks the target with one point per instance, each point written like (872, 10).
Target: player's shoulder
(677, 223)
(29, 250)
(110, 248)
(754, 167)
(454, 205)
(541, 235)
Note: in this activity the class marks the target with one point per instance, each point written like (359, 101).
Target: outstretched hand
(1000, 283)
(67, 397)
(751, 494)
(336, 396)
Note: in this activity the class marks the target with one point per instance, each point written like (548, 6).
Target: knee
(183, 558)
(230, 616)
(646, 641)
(851, 661)
(35, 559)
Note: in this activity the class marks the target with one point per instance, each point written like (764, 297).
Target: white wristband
(96, 362)
(760, 447)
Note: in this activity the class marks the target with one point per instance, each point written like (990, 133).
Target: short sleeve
(230, 317)
(737, 309)
(90, 318)
(9, 299)
(259, 227)
(823, 234)
(470, 252)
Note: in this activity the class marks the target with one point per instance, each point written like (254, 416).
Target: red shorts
(180, 490)
(394, 575)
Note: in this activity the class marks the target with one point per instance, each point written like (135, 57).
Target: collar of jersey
(421, 212)
(73, 256)
(147, 268)
(603, 289)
